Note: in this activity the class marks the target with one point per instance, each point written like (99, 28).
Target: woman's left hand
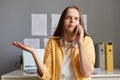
(80, 34)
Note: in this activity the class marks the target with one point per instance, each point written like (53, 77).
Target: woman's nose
(72, 20)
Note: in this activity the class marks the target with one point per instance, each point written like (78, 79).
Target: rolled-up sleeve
(90, 50)
(47, 63)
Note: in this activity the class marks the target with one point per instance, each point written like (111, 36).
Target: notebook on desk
(29, 65)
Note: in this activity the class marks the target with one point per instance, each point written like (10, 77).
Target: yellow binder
(109, 64)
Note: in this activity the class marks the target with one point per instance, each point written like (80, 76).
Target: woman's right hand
(40, 67)
(24, 46)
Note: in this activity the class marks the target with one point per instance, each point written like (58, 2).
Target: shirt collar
(62, 43)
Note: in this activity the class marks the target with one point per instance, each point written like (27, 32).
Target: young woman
(69, 53)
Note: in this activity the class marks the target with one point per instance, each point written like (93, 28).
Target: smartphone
(75, 30)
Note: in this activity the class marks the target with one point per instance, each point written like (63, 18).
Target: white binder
(101, 46)
(100, 55)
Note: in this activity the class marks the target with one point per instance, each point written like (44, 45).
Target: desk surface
(104, 73)
(20, 73)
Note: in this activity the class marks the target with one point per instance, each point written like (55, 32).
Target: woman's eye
(68, 17)
(76, 18)
(72, 18)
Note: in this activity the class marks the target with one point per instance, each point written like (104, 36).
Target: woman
(69, 54)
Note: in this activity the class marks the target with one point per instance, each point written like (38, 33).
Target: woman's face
(71, 20)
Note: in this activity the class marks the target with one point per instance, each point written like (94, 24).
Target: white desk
(105, 75)
(20, 75)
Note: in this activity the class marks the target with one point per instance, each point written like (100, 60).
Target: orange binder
(109, 64)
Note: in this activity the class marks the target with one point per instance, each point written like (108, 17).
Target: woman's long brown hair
(60, 27)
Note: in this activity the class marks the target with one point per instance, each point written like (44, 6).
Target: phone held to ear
(75, 30)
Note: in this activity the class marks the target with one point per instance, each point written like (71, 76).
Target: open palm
(24, 46)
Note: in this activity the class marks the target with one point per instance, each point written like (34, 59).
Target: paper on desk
(39, 24)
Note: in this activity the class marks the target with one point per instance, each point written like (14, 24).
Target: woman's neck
(69, 37)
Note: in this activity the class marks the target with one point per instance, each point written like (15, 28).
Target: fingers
(81, 32)
(15, 44)
(80, 27)
(19, 45)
